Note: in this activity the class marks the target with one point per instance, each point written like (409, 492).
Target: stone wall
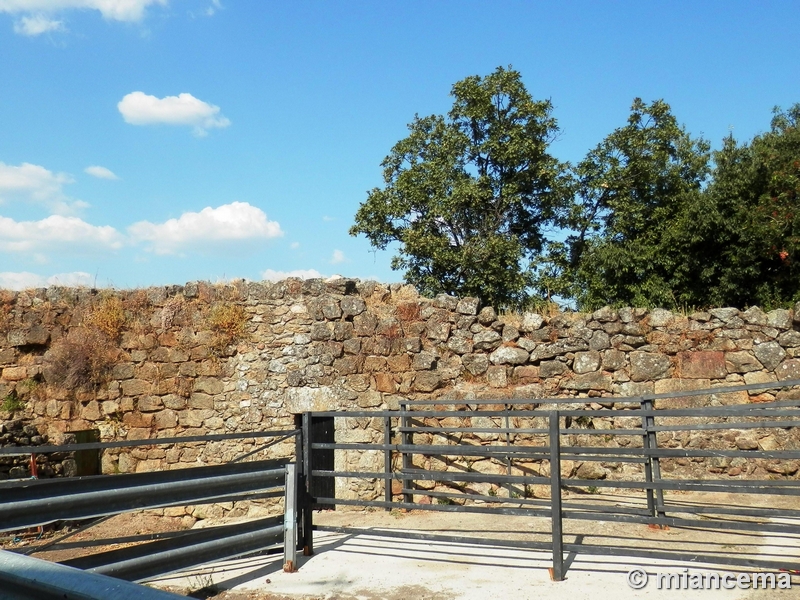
(19, 433)
(178, 363)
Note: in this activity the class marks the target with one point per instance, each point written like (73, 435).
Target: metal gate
(31, 503)
(520, 434)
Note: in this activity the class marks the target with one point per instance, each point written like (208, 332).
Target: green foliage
(651, 228)
(631, 195)
(652, 216)
(468, 196)
(12, 403)
(752, 219)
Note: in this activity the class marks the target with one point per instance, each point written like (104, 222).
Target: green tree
(628, 220)
(468, 196)
(752, 206)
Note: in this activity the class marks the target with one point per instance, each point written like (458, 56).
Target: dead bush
(108, 316)
(80, 361)
(228, 322)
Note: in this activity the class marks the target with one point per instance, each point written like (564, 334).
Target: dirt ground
(359, 558)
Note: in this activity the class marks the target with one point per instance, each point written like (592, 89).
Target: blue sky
(147, 142)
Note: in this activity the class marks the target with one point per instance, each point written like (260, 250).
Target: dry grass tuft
(228, 322)
(81, 361)
(108, 316)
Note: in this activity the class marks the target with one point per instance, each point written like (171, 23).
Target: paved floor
(374, 565)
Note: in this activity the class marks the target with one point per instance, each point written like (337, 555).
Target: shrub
(228, 322)
(108, 316)
(81, 360)
(12, 403)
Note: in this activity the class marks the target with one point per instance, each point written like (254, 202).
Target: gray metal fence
(30, 503)
(551, 423)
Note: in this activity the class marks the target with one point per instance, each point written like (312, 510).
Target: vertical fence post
(508, 456)
(387, 460)
(308, 499)
(648, 464)
(557, 571)
(655, 465)
(406, 456)
(290, 520)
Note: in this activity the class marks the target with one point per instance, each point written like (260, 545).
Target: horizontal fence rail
(31, 502)
(527, 441)
(48, 500)
(27, 578)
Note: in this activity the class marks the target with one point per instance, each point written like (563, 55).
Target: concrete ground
(371, 564)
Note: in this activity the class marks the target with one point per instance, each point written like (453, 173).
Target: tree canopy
(650, 217)
(468, 196)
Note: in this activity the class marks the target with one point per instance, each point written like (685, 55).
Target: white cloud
(328, 219)
(138, 108)
(37, 25)
(56, 232)
(294, 245)
(237, 221)
(100, 172)
(270, 275)
(24, 280)
(338, 257)
(115, 10)
(34, 183)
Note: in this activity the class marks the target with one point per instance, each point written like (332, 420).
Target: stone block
(208, 385)
(788, 369)
(496, 377)
(347, 365)
(438, 330)
(675, 386)
(754, 316)
(91, 412)
(509, 355)
(15, 373)
(165, 419)
(586, 362)
(149, 403)
(200, 400)
(399, 363)
(647, 366)
(384, 382)
(660, 317)
(531, 322)
(468, 306)
(701, 365)
(459, 344)
(487, 316)
(588, 381)
(423, 361)
(364, 324)
(426, 381)
(780, 318)
(488, 339)
(526, 373)
(476, 364)
(551, 368)
(342, 330)
(135, 387)
(759, 377)
(352, 306)
(613, 360)
(769, 354)
(37, 336)
(741, 362)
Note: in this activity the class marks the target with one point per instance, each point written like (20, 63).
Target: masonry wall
(177, 368)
